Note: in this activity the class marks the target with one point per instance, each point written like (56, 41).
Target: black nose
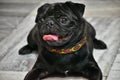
(50, 23)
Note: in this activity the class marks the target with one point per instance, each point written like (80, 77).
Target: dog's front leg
(92, 72)
(36, 74)
(39, 71)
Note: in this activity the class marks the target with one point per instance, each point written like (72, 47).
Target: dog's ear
(77, 8)
(41, 12)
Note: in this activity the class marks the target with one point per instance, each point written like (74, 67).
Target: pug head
(60, 23)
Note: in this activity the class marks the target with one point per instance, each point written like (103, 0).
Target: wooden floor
(104, 15)
(11, 14)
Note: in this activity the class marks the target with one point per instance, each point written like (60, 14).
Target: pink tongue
(50, 37)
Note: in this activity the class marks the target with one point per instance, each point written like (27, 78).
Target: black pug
(64, 41)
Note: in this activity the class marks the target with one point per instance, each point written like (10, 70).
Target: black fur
(79, 63)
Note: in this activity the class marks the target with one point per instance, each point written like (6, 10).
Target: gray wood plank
(114, 75)
(95, 8)
(20, 1)
(10, 75)
(25, 27)
(117, 60)
(11, 14)
(10, 21)
(7, 25)
(116, 66)
(16, 9)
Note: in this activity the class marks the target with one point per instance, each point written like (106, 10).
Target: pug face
(63, 20)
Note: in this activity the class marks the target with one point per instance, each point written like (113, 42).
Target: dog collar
(69, 50)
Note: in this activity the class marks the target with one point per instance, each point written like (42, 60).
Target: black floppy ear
(77, 8)
(41, 12)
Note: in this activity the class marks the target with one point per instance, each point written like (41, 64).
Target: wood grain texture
(11, 15)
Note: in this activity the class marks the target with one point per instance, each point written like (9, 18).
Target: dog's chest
(67, 61)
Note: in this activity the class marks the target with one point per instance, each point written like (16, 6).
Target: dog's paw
(98, 44)
(36, 74)
(25, 50)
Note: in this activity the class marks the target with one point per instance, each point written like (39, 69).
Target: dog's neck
(69, 50)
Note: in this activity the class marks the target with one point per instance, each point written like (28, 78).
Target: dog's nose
(50, 23)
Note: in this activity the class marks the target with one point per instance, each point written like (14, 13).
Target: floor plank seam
(118, 52)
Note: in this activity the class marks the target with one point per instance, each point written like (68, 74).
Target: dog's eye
(41, 20)
(63, 20)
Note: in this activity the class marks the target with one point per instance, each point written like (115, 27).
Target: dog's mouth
(55, 38)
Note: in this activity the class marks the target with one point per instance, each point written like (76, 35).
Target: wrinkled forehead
(58, 8)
